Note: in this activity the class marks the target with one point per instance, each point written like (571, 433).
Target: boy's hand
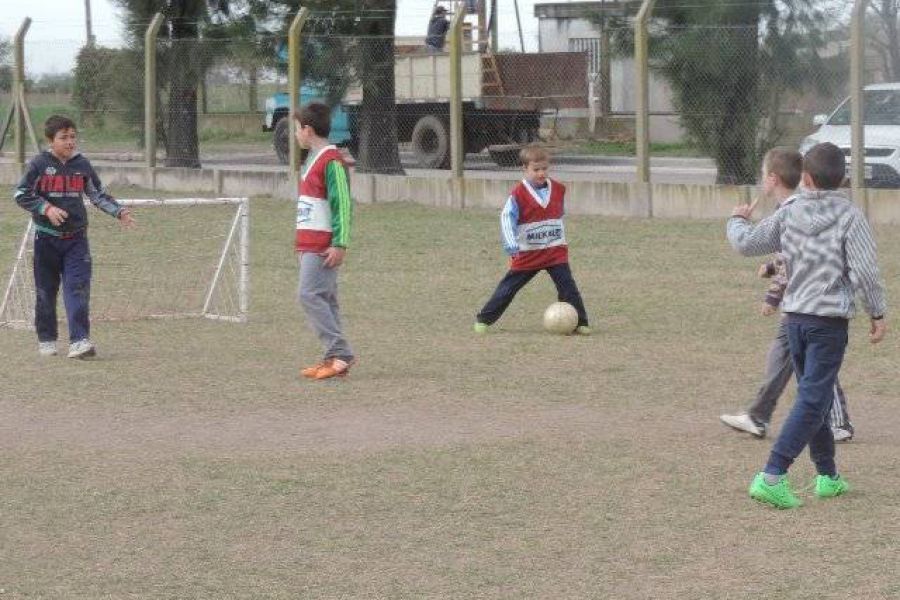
(56, 215)
(126, 218)
(767, 310)
(877, 330)
(334, 257)
(744, 210)
(763, 270)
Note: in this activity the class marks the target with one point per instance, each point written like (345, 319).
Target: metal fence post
(457, 151)
(642, 106)
(19, 93)
(857, 105)
(150, 90)
(294, 83)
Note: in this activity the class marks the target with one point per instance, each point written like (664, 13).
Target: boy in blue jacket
(52, 190)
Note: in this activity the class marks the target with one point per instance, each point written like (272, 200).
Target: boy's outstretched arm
(98, 196)
(764, 238)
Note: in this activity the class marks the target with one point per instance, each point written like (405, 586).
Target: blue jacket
(48, 181)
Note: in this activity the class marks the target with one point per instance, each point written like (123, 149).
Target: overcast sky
(58, 27)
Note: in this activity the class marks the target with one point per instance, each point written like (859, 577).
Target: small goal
(187, 257)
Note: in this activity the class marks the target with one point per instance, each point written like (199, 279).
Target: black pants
(514, 281)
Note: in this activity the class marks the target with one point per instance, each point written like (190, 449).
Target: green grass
(112, 133)
(190, 460)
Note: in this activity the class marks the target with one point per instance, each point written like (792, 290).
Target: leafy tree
(182, 62)
(345, 43)
(6, 71)
(730, 64)
(885, 28)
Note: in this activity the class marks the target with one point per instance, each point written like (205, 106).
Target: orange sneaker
(310, 372)
(334, 367)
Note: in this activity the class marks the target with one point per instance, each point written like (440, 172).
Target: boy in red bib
(533, 234)
(324, 209)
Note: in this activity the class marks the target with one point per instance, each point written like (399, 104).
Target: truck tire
(280, 140)
(280, 137)
(431, 143)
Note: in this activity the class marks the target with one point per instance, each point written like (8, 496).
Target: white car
(882, 133)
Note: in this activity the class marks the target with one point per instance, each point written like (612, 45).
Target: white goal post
(187, 257)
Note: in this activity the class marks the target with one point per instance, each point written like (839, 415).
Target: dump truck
(493, 118)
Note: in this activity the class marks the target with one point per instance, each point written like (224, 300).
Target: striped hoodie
(829, 250)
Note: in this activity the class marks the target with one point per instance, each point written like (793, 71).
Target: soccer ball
(561, 318)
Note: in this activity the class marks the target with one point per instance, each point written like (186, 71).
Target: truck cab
(277, 117)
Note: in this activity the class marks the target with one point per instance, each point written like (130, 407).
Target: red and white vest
(540, 233)
(313, 209)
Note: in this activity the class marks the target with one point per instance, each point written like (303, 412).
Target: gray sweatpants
(779, 370)
(318, 295)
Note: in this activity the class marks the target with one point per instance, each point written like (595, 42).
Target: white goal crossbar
(225, 295)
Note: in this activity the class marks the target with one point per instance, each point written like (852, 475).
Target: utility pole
(87, 21)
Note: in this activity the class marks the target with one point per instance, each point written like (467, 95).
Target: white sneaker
(841, 435)
(744, 422)
(82, 349)
(47, 348)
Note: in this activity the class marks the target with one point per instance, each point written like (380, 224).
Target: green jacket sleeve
(338, 186)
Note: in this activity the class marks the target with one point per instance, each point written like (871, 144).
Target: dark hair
(57, 123)
(786, 164)
(533, 153)
(317, 116)
(440, 10)
(826, 166)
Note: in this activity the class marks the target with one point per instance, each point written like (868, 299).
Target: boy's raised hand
(877, 330)
(744, 210)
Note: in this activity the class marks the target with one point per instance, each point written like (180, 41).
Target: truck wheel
(280, 140)
(431, 143)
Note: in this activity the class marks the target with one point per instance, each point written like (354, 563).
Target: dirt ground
(190, 460)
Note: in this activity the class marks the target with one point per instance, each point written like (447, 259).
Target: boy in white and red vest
(324, 210)
(531, 226)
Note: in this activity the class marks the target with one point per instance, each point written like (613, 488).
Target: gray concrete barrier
(602, 198)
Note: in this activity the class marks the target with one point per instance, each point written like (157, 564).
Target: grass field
(190, 461)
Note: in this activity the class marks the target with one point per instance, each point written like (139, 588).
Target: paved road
(572, 167)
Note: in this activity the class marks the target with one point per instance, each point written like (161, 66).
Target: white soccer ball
(560, 318)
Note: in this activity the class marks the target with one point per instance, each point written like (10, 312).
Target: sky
(58, 27)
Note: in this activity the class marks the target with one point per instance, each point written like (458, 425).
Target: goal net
(187, 257)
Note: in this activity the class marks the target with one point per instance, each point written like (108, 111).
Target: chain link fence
(720, 94)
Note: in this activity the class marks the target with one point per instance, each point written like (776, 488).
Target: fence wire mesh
(722, 91)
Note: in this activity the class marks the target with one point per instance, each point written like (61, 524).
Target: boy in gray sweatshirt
(830, 255)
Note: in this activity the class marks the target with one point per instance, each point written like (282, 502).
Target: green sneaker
(481, 327)
(583, 330)
(826, 487)
(778, 495)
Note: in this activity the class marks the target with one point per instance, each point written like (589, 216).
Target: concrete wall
(603, 198)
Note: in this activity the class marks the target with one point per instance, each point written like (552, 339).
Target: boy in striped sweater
(782, 169)
(324, 210)
(830, 254)
(531, 226)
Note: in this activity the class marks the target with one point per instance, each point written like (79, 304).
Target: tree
(730, 64)
(886, 35)
(6, 70)
(347, 43)
(181, 65)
